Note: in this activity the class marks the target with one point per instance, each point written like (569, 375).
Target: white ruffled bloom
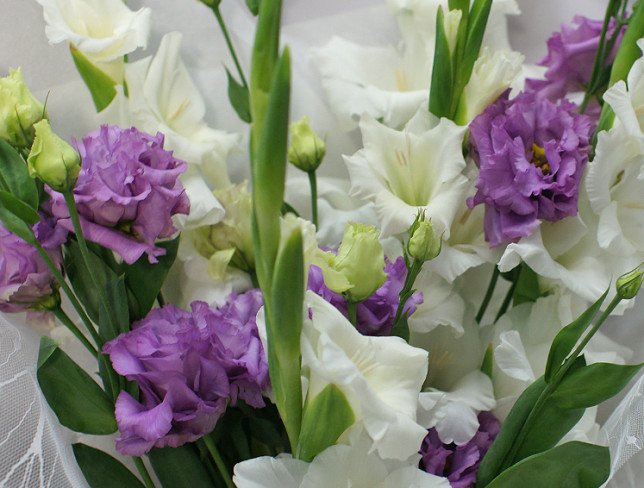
(103, 30)
(492, 74)
(615, 178)
(389, 83)
(341, 465)
(381, 377)
(162, 97)
(522, 340)
(402, 172)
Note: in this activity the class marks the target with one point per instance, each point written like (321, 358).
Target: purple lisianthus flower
(127, 191)
(570, 58)
(459, 464)
(188, 366)
(531, 154)
(376, 314)
(26, 282)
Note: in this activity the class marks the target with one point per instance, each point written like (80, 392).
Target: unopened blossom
(459, 464)
(188, 366)
(127, 192)
(19, 110)
(531, 155)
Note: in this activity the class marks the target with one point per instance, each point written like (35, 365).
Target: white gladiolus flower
(162, 97)
(341, 465)
(492, 74)
(103, 30)
(381, 377)
(402, 172)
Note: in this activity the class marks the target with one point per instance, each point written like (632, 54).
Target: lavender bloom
(531, 155)
(375, 314)
(127, 191)
(570, 58)
(188, 365)
(26, 283)
(459, 464)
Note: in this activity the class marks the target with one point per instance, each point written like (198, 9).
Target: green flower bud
(52, 159)
(19, 110)
(629, 284)
(306, 150)
(424, 244)
(211, 3)
(358, 268)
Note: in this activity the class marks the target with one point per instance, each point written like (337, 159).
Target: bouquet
(431, 320)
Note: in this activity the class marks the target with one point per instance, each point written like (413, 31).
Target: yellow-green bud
(306, 150)
(19, 110)
(52, 159)
(424, 244)
(629, 284)
(358, 268)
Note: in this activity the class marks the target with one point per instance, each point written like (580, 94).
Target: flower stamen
(539, 159)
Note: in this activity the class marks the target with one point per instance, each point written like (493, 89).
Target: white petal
(268, 472)
(511, 358)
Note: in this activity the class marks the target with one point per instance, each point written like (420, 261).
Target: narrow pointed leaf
(100, 85)
(567, 338)
(440, 93)
(239, 98)
(16, 225)
(253, 6)
(527, 289)
(103, 471)
(19, 208)
(79, 403)
(14, 176)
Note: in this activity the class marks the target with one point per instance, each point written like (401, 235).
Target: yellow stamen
(539, 159)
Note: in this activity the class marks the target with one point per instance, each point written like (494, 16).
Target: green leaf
(629, 51)
(567, 338)
(101, 86)
(325, 419)
(239, 98)
(19, 208)
(527, 289)
(117, 298)
(103, 471)
(401, 328)
(82, 281)
(73, 395)
(487, 366)
(17, 225)
(269, 172)
(589, 386)
(179, 467)
(145, 280)
(253, 6)
(284, 328)
(440, 93)
(571, 465)
(14, 176)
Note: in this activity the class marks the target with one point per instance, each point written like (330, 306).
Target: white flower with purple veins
(162, 97)
(354, 465)
(103, 30)
(615, 180)
(417, 168)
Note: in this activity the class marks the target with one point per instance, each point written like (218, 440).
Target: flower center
(539, 159)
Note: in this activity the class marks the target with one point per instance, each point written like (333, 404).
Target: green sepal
(14, 176)
(100, 85)
(239, 98)
(76, 399)
(571, 465)
(440, 93)
(593, 384)
(567, 338)
(103, 471)
(325, 418)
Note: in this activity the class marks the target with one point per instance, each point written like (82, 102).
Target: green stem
(70, 294)
(352, 310)
(314, 197)
(231, 48)
(506, 301)
(67, 322)
(160, 299)
(143, 471)
(488, 294)
(554, 383)
(216, 456)
(85, 253)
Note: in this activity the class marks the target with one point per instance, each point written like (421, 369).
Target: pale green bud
(629, 284)
(19, 110)
(360, 261)
(424, 244)
(52, 159)
(306, 150)
(211, 3)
